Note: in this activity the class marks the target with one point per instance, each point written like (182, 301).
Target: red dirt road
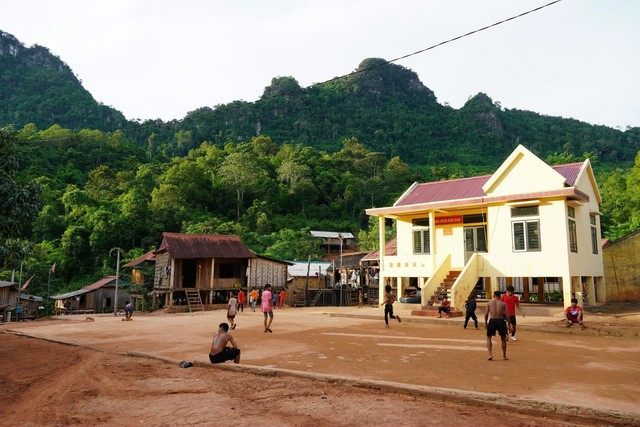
(46, 383)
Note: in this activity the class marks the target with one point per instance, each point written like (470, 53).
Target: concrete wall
(622, 269)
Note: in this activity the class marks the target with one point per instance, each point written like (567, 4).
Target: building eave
(568, 192)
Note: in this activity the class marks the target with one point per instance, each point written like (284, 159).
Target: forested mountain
(297, 159)
(37, 87)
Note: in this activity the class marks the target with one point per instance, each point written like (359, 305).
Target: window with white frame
(594, 234)
(525, 232)
(421, 238)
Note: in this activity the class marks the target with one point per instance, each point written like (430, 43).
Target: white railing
(465, 283)
(436, 279)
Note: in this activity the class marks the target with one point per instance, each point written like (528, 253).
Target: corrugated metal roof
(570, 172)
(331, 234)
(149, 256)
(299, 269)
(103, 282)
(391, 249)
(203, 246)
(466, 188)
(4, 284)
(454, 189)
(70, 294)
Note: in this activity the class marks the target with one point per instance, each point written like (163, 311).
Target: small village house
(98, 297)
(528, 222)
(305, 276)
(209, 267)
(8, 299)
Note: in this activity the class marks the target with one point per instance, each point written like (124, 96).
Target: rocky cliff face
(37, 87)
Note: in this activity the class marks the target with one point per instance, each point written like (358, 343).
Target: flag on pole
(53, 267)
(26, 283)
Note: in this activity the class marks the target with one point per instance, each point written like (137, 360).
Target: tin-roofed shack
(211, 266)
(97, 297)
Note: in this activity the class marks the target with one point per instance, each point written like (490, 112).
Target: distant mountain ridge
(38, 87)
(384, 105)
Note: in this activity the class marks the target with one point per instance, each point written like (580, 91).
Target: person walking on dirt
(219, 352)
(470, 311)
(267, 307)
(283, 298)
(253, 298)
(512, 301)
(128, 311)
(360, 298)
(241, 298)
(232, 309)
(497, 312)
(389, 298)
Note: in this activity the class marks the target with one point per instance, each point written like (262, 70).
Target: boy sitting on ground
(573, 313)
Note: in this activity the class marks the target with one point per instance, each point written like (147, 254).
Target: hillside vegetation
(83, 181)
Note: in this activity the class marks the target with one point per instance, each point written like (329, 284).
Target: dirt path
(52, 384)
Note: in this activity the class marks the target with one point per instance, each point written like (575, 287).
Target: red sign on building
(448, 220)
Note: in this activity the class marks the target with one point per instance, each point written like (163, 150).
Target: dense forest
(78, 180)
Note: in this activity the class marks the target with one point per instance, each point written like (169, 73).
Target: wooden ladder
(316, 298)
(193, 299)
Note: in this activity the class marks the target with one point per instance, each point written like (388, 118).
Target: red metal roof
(467, 188)
(149, 256)
(390, 249)
(203, 246)
(100, 283)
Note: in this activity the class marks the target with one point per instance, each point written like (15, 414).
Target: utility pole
(115, 297)
(340, 237)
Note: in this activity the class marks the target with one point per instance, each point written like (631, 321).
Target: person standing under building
(389, 298)
(512, 301)
(267, 307)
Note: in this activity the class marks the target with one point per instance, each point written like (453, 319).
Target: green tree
(20, 201)
(241, 172)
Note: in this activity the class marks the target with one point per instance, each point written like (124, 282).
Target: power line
(355, 72)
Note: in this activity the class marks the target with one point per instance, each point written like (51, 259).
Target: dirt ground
(318, 368)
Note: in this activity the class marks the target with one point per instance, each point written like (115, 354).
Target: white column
(381, 243)
(591, 291)
(432, 239)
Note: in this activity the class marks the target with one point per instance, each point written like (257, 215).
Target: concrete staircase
(430, 310)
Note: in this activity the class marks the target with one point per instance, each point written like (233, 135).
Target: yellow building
(528, 223)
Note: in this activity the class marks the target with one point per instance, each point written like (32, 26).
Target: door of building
(475, 240)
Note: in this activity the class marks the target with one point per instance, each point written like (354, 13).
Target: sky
(163, 58)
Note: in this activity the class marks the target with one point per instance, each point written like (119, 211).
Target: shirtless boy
(389, 298)
(219, 352)
(497, 311)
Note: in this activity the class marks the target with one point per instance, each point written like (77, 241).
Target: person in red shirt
(241, 298)
(512, 301)
(573, 314)
(283, 299)
(445, 307)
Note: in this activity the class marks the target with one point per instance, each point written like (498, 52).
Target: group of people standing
(220, 352)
